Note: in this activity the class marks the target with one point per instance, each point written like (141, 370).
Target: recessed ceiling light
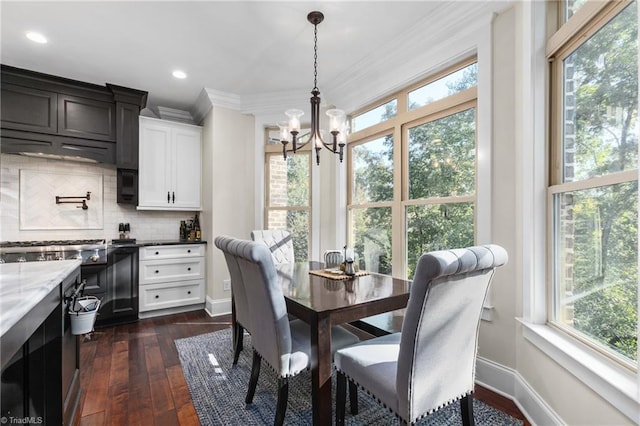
(179, 74)
(37, 37)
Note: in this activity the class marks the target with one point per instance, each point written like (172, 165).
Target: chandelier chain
(315, 57)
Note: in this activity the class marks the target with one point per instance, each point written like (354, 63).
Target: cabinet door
(128, 133)
(187, 176)
(96, 279)
(28, 109)
(86, 118)
(154, 178)
(121, 300)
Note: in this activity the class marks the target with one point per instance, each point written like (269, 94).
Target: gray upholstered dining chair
(431, 362)
(279, 242)
(333, 258)
(240, 318)
(284, 345)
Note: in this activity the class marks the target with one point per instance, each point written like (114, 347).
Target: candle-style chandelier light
(337, 119)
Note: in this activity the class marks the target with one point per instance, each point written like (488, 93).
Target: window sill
(612, 382)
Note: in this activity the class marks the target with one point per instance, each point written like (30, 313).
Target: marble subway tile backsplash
(145, 225)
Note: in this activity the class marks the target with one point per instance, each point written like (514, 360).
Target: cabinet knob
(157, 253)
(157, 271)
(188, 269)
(189, 251)
(189, 292)
(157, 296)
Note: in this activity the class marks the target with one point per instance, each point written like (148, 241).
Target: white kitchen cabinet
(171, 277)
(170, 165)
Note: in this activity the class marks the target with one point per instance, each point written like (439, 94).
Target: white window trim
(618, 386)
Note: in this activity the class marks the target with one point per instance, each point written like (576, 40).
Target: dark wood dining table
(324, 302)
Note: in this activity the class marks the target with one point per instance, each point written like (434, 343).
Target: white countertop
(24, 285)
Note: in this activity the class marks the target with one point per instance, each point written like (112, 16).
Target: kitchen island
(39, 355)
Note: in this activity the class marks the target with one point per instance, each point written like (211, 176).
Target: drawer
(169, 295)
(157, 271)
(170, 252)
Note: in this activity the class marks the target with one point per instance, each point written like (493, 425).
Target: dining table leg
(321, 370)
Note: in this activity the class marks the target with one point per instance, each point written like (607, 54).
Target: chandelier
(337, 121)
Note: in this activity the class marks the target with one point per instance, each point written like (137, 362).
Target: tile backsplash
(23, 207)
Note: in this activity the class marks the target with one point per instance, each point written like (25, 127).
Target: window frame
(275, 150)
(398, 126)
(581, 33)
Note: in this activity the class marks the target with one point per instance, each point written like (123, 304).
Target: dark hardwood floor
(131, 374)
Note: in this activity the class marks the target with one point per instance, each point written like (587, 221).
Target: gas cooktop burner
(50, 243)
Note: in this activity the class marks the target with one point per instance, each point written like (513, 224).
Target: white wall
(228, 192)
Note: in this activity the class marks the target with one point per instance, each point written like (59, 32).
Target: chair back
(279, 242)
(268, 311)
(438, 344)
(333, 258)
(237, 285)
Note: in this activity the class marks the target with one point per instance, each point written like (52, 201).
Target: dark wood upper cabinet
(69, 118)
(28, 109)
(86, 118)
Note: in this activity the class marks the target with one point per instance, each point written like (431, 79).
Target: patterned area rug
(218, 391)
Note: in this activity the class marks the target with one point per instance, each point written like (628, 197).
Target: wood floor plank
(119, 374)
(154, 362)
(187, 415)
(178, 386)
(95, 419)
(96, 394)
(161, 398)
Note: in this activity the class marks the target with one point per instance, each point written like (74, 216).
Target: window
(412, 173)
(371, 197)
(441, 185)
(288, 195)
(374, 116)
(594, 189)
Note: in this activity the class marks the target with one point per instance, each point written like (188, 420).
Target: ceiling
(241, 48)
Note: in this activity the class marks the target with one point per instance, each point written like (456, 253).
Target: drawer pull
(188, 251)
(189, 292)
(157, 271)
(157, 296)
(188, 269)
(157, 253)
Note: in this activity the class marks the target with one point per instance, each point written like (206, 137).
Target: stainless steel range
(91, 252)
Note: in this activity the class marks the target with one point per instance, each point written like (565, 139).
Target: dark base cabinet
(41, 364)
(116, 285)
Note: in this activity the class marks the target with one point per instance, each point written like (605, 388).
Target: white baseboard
(170, 311)
(510, 384)
(215, 307)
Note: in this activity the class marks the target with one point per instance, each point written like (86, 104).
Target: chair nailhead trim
(398, 416)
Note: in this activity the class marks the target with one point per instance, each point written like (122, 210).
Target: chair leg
(353, 397)
(253, 380)
(239, 334)
(283, 396)
(341, 398)
(466, 407)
